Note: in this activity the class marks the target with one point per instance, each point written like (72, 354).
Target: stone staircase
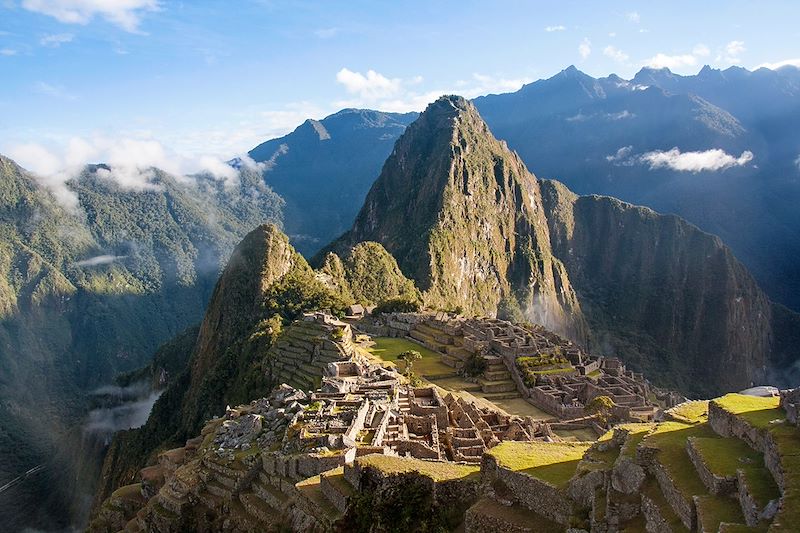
(496, 382)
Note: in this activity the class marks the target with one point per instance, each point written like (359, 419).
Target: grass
(766, 414)
(713, 510)
(636, 434)
(759, 412)
(652, 491)
(337, 479)
(436, 470)
(576, 435)
(389, 348)
(516, 515)
(670, 439)
(724, 456)
(553, 463)
(692, 412)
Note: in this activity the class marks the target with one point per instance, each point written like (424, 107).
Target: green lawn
(388, 348)
(436, 470)
(712, 510)
(670, 439)
(551, 462)
(693, 412)
(724, 457)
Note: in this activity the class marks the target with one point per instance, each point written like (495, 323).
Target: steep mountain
(672, 299)
(464, 219)
(324, 168)
(265, 285)
(471, 226)
(616, 137)
(88, 292)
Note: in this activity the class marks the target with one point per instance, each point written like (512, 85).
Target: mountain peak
(461, 215)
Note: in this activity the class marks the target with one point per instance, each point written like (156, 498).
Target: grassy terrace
(766, 414)
(389, 348)
(438, 471)
(713, 510)
(516, 515)
(695, 412)
(670, 439)
(652, 491)
(724, 457)
(553, 463)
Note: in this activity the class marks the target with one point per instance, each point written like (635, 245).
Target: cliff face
(671, 299)
(464, 219)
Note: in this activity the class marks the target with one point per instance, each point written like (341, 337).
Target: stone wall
(538, 496)
(716, 484)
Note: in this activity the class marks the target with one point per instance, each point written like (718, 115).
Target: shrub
(405, 303)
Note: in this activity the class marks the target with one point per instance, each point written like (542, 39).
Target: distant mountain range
(719, 148)
(324, 168)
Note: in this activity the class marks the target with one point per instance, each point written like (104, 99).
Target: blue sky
(171, 82)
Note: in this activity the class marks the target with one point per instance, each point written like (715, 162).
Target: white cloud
(778, 64)
(131, 161)
(555, 28)
(371, 85)
(99, 260)
(708, 160)
(56, 39)
(56, 91)
(621, 154)
(615, 53)
(797, 162)
(126, 14)
(634, 17)
(701, 50)
(7, 52)
(735, 48)
(585, 48)
(671, 62)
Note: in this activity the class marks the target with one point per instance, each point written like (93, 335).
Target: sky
(185, 85)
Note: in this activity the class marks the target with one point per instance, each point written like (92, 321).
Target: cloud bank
(130, 161)
(99, 260)
(708, 160)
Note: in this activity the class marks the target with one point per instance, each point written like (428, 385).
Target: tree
(602, 407)
(408, 357)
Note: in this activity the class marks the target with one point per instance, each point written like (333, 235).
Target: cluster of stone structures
(306, 460)
(562, 390)
(366, 407)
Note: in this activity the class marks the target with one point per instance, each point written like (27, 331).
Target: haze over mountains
(718, 148)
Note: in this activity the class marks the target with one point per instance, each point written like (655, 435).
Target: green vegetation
(669, 438)
(436, 470)
(553, 463)
(540, 365)
(409, 357)
(406, 303)
(724, 456)
(602, 407)
(759, 412)
(712, 510)
(692, 412)
(390, 348)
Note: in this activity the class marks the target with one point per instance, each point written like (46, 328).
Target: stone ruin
(367, 408)
(562, 390)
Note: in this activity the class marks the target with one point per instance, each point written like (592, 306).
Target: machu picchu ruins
(347, 432)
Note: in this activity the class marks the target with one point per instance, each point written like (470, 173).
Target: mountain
(464, 219)
(624, 138)
(88, 292)
(324, 168)
(264, 287)
(472, 227)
